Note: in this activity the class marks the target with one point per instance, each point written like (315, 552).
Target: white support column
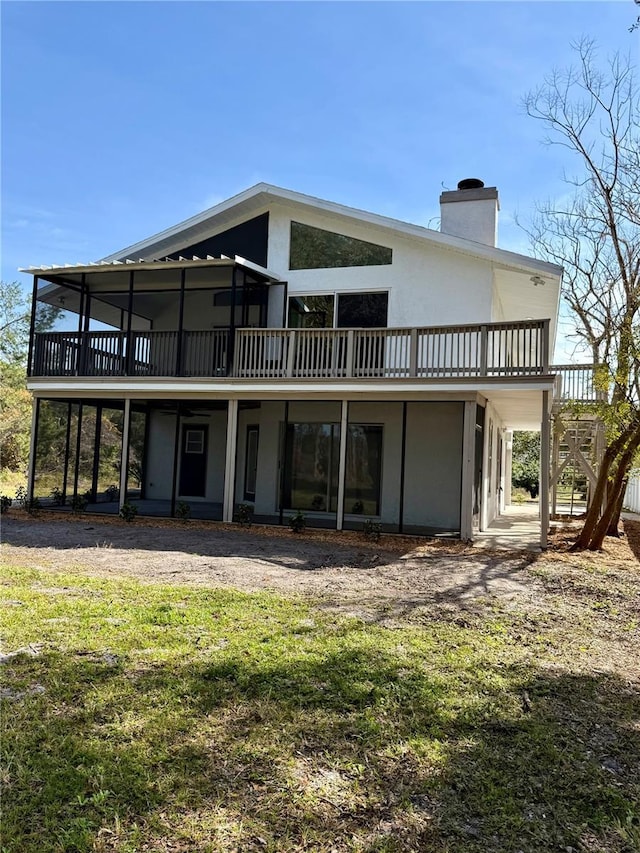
(508, 466)
(468, 456)
(545, 451)
(230, 461)
(124, 459)
(32, 449)
(342, 463)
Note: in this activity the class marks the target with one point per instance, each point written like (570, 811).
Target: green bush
(78, 503)
(57, 496)
(244, 514)
(183, 511)
(128, 511)
(30, 505)
(298, 522)
(372, 529)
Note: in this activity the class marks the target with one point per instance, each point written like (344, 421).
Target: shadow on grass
(349, 750)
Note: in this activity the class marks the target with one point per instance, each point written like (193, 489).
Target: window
(314, 248)
(194, 441)
(362, 310)
(312, 453)
(363, 473)
(312, 468)
(358, 310)
(311, 312)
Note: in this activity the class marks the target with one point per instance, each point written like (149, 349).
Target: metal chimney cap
(470, 184)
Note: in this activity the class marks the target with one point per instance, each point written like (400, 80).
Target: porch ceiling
(519, 410)
(527, 296)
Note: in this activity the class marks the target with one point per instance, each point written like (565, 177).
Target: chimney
(471, 212)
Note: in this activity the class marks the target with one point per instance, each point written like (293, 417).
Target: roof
(155, 264)
(258, 197)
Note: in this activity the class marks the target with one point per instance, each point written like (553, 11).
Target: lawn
(141, 717)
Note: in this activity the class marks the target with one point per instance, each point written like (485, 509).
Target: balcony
(438, 353)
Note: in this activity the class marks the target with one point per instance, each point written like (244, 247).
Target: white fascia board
(284, 389)
(261, 192)
(243, 262)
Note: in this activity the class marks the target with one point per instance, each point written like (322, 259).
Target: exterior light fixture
(536, 280)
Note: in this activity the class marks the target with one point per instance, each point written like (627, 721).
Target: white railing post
(484, 341)
(545, 346)
(413, 352)
(290, 338)
(348, 367)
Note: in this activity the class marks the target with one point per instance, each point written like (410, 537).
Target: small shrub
(372, 529)
(78, 503)
(183, 511)
(29, 505)
(298, 522)
(5, 503)
(112, 493)
(318, 503)
(518, 496)
(128, 511)
(57, 496)
(244, 514)
(357, 508)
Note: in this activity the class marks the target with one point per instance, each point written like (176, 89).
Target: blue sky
(120, 119)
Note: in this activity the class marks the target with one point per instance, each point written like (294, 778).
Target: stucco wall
(433, 465)
(427, 285)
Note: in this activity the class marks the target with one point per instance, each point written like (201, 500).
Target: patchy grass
(159, 718)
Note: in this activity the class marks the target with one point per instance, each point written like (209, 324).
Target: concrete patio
(518, 528)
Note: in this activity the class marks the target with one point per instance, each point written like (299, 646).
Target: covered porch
(148, 318)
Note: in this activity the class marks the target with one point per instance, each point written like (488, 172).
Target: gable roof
(257, 198)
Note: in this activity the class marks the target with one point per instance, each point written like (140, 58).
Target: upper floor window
(339, 311)
(314, 248)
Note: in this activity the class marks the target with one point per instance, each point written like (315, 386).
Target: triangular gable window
(248, 240)
(314, 248)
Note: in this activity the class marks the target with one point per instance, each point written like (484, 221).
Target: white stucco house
(290, 353)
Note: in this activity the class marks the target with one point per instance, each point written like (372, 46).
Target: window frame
(345, 237)
(336, 295)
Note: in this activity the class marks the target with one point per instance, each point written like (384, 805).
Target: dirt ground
(345, 569)
(397, 574)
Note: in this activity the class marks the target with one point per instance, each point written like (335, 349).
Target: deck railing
(576, 383)
(137, 353)
(437, 352)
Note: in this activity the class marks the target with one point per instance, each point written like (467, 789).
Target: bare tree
(595, 236)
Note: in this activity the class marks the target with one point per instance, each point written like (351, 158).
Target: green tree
(594, 233)
(525, 467)
(15, 406)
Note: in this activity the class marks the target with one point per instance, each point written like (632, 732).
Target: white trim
(261, 194)
(545, 449)
(342, 463)
(32, 449)
(230, 461)
(468, 457)
(281, 389)
(124, 458)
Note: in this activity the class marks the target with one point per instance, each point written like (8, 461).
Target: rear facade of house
(280, 353)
